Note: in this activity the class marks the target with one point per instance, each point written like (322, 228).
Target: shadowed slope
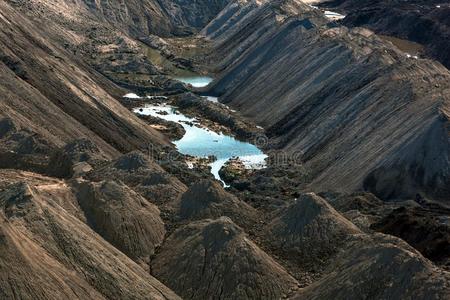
(308, 233)
(122, 217)
(350, 103)
(215, 259)
(163, 17)
(207, 199)
(379, 267)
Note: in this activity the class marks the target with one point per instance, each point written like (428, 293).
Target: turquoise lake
(202, 142)
(195, 81)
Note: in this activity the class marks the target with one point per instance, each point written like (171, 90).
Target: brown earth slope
(308, 232)
(379, 267)
(215, 259)
(49, 252)
(207, 199)
(45, 90)
(118, 223)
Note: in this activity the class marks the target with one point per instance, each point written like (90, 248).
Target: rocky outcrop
(208, 200)
(48, 252)
(21, 148)
(349, 102)
(75, 159)
(172, 130)
(208, 259)
(363, 209)
(218, 114)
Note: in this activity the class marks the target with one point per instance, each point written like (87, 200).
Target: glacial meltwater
(202, 142)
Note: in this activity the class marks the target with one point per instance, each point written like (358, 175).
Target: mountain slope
(46, 90)
(379, 267)
(424, 22)
(43, 234)
(208, 200)
(122, 217)
(309, 231)
(215, 259)
(164, 17)
(347, 102)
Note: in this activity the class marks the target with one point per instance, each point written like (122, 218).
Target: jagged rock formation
(309, 231)
(215, 259)
(48, 252)
(379, 267)
(425, 22)
(208, 200)
(122, 217)
(350, 103)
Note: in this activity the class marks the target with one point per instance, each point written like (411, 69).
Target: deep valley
(224, 149)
